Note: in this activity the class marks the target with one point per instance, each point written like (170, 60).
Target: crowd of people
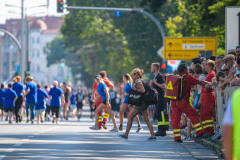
(196, 109)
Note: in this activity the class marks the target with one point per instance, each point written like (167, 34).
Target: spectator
(31, 97)
(229, 61)
(10, 98)
(219, 62)
(238, 51)
(207, 100)
(231, 52)
(236, 81)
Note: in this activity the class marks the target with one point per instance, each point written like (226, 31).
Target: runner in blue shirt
(103, 92)
(56, 95)
(31, 97)
(73, 104)
(10, 98)
(1, 100)
(19, 89)
(41, 103)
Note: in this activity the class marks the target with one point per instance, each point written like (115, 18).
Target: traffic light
(59, 6)
(62, 64)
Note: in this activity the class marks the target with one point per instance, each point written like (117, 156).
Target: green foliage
(96, 40)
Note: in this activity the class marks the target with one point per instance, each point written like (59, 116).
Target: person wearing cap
(102, 121)
(57, 98)
(229, 61)
(31, 98)
(232, 52)
(104, 94)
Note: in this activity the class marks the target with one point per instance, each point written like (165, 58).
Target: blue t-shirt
(41, 95)
(32, 96)
(18, 87)
(56, 97)
(1, 96)
(73, 100)
(9, 96)
(100, 89)
(127, 88)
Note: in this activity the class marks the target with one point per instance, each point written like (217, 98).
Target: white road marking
(2, 156)
(17, 144)
(10, 150)
(25, 140)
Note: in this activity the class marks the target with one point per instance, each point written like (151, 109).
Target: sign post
(189, 48)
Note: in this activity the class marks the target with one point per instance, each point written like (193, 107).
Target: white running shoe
(114, 130)
(94, 128)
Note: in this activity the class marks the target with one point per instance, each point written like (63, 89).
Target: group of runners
(39, 102)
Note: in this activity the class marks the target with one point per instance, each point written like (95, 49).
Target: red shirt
(108, 84)
(209, 78)
(189, 81)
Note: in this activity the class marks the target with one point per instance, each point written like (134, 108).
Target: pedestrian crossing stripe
(169, 86)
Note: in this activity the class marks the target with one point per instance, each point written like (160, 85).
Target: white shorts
(72, 106)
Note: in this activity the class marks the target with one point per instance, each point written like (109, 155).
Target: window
(38, 40)
(32, 67)
(38, 53)
(33, 40)
(33, 54)
(38, 68)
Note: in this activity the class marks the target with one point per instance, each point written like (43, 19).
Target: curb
(216, 147)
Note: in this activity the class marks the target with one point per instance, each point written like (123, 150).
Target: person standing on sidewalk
(31, 98)
(183, 106)
(19, 89)
(138, 86)
(207, 100)
(103, 92)
(57, 98)
(159, 84)
(10, 98)
(41, 103)
(1, 100)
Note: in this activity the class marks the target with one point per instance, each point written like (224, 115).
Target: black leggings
(18, 106)
(47, 110)
(55, 111)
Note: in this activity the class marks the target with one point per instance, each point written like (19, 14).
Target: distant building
(41, 30)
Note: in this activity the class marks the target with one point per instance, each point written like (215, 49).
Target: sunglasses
(225, 70)
(134, 74)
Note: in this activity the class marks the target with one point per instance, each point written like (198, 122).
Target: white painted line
(30, 136)
(17, 144)
(2, 156)
(10, 150)
(25, 140)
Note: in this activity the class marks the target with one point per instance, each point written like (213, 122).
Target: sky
(6, 12)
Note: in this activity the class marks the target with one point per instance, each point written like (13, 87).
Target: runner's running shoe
(114, 130)
(104, 126)
(120, 128)
(123, 136)
(94, 128)
(152, 138)
(139, 129)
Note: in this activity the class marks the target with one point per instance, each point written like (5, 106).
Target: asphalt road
(74, 140)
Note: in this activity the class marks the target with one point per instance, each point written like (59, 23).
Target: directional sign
(189, 48)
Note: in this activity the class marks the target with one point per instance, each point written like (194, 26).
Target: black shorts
(55, 111)
(8, 109)
(1, 107)
(105, 102)
(79, 105)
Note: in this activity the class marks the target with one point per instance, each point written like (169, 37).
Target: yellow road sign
(189, 48)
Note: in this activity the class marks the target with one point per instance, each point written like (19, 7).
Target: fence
(222, 103)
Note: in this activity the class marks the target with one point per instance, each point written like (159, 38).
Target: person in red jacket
(183, 106)
(102, 122)
(207, 100)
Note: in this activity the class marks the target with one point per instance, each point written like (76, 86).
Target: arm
(107, 96)
(23, 92)
(94, 103)
(139, 87)
(163, 85)
(204, 83)
(227, 141)
(28, 90)
(63, 98)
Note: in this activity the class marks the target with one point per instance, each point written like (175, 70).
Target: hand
(199, 103)
(155, 81)
(134, 87)
(107, 104)
(93, 105)
(151, 82)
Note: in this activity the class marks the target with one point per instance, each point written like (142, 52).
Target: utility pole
(22, 57)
